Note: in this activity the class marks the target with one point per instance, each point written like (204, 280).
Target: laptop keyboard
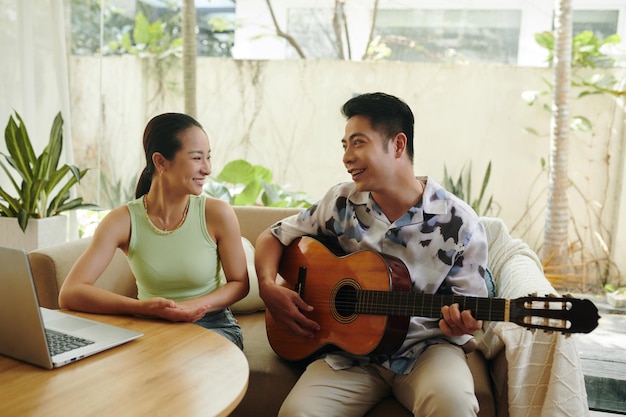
(60, 343)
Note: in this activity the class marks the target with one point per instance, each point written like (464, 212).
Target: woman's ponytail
(144, 182)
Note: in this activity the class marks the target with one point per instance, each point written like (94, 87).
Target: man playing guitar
(386, 209)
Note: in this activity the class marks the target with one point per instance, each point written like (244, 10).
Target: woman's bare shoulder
(217, 207)
(116, 225)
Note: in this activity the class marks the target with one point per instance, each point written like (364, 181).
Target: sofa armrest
(543, 369)
(516, 268)
(51, 265)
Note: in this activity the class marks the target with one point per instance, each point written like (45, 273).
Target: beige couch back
(51, 265)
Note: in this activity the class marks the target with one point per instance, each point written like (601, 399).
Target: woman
(175, 238)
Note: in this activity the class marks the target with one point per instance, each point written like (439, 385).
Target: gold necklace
(165, 231)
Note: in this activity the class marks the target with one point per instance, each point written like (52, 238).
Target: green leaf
(615, 38)
(271, 194)
(545, 40)
(249, 194)
(126, 42)
(262, 174)
(465, 193)
(64, 193)
(486, 178)
(13, 182)
(237, 172)
(580, 124)
(55, 146)
(141, 31)
(532, 131)
(19, 147)
(218, 190)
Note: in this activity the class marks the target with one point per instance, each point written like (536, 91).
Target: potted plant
(242, 184)
(41, 186)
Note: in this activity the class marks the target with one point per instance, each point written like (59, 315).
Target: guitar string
(386, 305)
(434, 312)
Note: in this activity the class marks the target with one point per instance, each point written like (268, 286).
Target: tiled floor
(603, 357)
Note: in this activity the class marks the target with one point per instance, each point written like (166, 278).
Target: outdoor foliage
(586, 48)
(588, 250)
(586, 53)
(148, 39)
(153, 30)
(44, 188)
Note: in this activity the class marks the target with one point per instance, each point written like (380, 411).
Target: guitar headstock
(551, 313)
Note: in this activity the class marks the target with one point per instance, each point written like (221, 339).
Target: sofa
(516, 372)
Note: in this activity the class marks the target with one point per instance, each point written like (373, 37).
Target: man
(386, 209)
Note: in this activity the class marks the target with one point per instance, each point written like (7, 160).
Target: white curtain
(34, 74)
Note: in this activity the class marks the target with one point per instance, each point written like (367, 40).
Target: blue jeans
(224, 323)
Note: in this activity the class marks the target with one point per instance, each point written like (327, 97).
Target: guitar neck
(399, 303)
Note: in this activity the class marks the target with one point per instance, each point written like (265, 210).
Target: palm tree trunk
(189, 56)
(557, 215)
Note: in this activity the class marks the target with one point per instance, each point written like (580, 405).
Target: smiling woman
(177, 241)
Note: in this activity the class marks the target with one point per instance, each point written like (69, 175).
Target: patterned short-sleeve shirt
(440, 240)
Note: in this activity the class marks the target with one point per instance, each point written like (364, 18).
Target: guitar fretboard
(402, 303)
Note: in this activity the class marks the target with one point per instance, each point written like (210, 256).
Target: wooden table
(175, 369)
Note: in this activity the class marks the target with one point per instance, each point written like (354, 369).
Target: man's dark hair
(387, 114)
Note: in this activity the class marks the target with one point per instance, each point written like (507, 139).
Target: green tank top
(177, 265)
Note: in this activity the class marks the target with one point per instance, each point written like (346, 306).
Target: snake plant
(42, 188)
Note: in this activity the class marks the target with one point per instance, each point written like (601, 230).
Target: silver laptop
(40, 336)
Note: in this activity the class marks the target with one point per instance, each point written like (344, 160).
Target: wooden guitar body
(328, 287)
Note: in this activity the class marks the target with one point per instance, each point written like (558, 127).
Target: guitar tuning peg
(533, 294)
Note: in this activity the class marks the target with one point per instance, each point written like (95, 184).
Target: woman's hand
(173, 311)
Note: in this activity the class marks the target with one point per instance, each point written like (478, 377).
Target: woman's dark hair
(161, 135)
(387, 114)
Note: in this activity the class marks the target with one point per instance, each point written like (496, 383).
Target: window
(477, 36)
(602, 23)
(313, 30)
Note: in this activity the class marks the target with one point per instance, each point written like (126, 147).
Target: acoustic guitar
(363, 303)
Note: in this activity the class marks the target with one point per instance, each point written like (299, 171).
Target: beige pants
(440, 385)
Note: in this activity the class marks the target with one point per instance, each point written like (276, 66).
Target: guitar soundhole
(344, 299)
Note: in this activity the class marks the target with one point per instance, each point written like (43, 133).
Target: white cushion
(251, 302)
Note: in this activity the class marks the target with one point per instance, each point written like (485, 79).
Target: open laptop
(26, 328)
